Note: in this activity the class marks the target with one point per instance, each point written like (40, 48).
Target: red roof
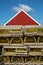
(22, 18)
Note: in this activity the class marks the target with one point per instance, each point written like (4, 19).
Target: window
(29, 40)
(4, 31)
(6, 59)
(40, 30)
(16, 40)
(35, 49)
(30, 30)
(9, 50)
(41, 39)
(13, 59)
(41, 58)
(20, 59)
(3, 40)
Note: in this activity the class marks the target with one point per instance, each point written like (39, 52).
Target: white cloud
(22, 6)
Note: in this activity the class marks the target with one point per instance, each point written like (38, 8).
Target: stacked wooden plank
(21, 45)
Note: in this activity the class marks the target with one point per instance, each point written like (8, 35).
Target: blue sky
(9, 8)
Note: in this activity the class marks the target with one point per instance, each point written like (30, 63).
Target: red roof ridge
(25, 13)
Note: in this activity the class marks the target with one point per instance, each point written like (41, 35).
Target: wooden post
(21, 39)
(24, 39)
(11, 40)
(35, 39)
(38, 39)
(8, 40)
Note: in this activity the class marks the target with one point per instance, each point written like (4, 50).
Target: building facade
(21, 45)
